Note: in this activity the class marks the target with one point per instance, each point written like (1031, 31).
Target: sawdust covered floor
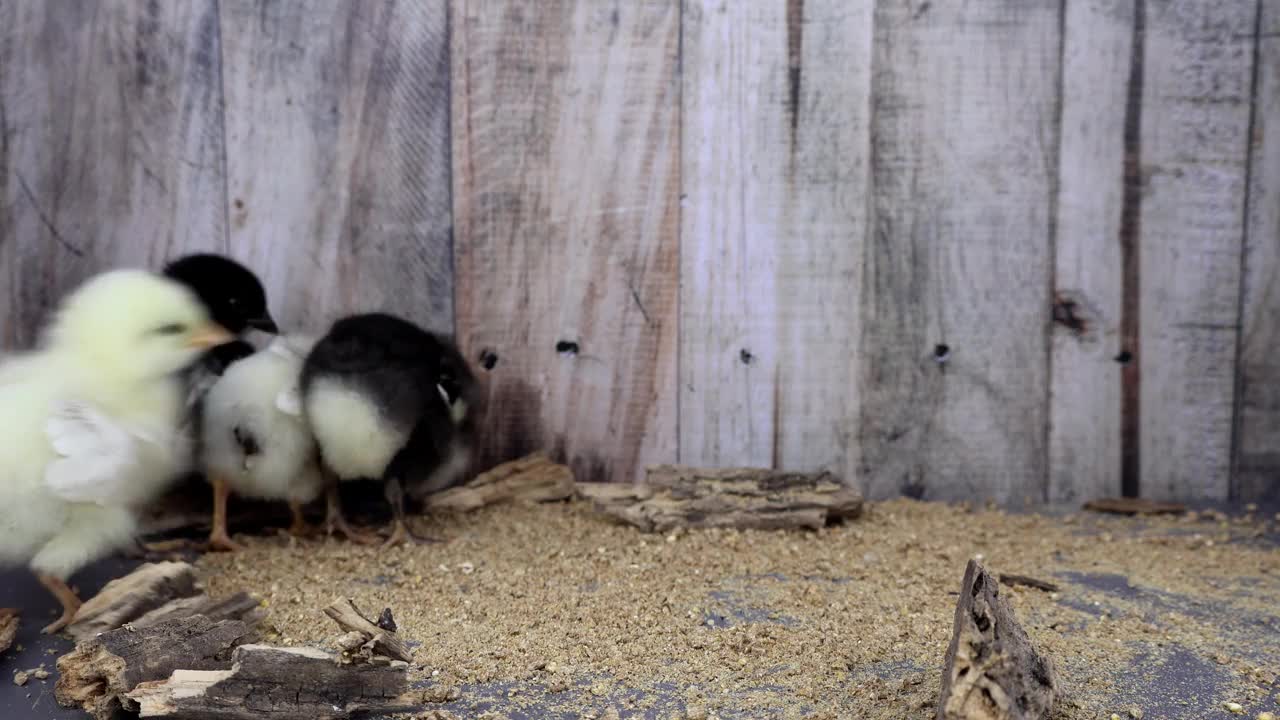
(552, 612)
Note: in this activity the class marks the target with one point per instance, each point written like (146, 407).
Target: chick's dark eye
(171, 329)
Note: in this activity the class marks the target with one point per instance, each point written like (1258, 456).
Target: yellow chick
(89, 421)
(255, 441)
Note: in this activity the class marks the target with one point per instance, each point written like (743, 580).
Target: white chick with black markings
(256, 443)
(89, 421)
(388, 401)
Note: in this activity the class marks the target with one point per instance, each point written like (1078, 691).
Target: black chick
(232, 293)
(236, 300)
(388, 401)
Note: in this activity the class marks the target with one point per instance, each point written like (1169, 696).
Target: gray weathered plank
(110, 144)
(1194, 149)
(337, 118)
(954, 357)
(566, 148)
(1258, 443)
(1085, 403)
(776, 115)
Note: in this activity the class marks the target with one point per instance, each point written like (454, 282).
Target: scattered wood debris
(98, 673)
(366, 641)
(992, 671)
(206, 666)
(153, 593)
(1134, 506)
(9, 619)
(535, 478)
(675, 496)
(1028, 581)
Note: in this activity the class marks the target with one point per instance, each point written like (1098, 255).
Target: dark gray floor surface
(1171, 682)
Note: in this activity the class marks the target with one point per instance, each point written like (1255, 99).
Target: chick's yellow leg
(335, 521)
(218, 538)
(66, 596)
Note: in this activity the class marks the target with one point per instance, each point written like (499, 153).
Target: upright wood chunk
(992, 671)
(677, 496)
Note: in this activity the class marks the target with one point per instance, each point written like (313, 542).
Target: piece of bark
(535, 478)
(279, 683)
(130, 597)
(676, 496)
(1134, 506)
(8, 629)
(98, 673)
(378, 641)
(992, 671)
(1028, 581)
(241, 606)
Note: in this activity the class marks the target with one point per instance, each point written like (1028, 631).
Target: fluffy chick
(388, 400)
(235, 299)
(255, 441)
(89, 421)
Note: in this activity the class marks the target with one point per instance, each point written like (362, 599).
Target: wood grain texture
(956, 291)
(337, 120)
(110, 144)
(1258, 428)
(1194, 149)
(566, 149)
(776, 155)
(1084, 412)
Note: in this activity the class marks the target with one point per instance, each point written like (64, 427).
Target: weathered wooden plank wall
(111, 144)
(775, 175)
(337, 120)
(1085, 381)
(994, 249)
(954, 360)
(1196, 93)
(566, 147)
(1258, 430)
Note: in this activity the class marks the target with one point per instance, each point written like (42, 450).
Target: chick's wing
(94, 453)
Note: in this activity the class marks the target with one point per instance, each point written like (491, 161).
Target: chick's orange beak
(210, 335)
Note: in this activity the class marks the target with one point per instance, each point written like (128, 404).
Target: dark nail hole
(745, 356)
(488, 359)
(1124, 358)
(567, 347)
(942, 352)
(239, 204)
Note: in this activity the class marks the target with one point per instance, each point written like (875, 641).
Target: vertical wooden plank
(566, 150)
(1194, 149)
(110, 144)
(1258, 442)
(1084, 420)
(338, 155)
(776, 114)
(954, 357)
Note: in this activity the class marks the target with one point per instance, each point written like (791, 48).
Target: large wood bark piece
(676, 496)
(992, 670)
(97, 674)
(208, 667)
(279, 683)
